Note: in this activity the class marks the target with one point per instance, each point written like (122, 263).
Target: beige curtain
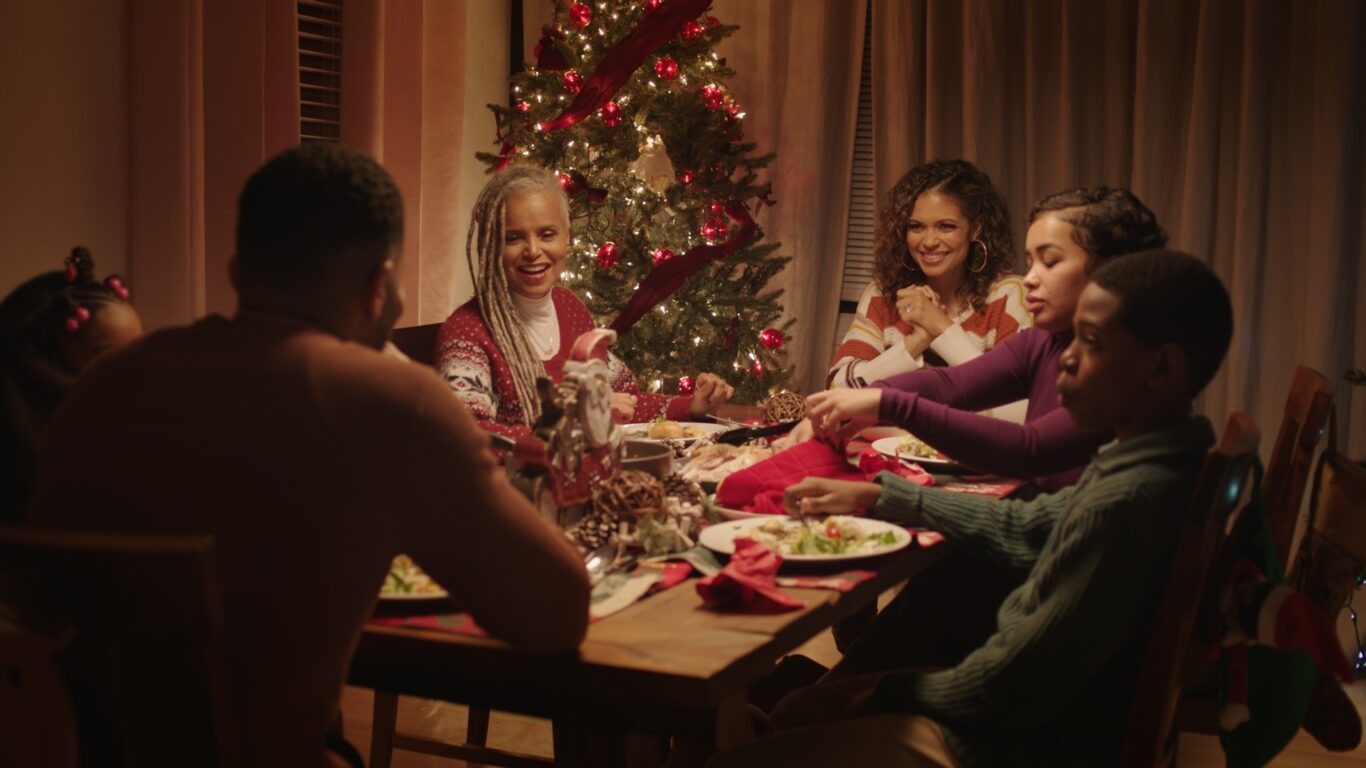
(797, 65)
(403, 90)
(204, 112)
(1241, 124)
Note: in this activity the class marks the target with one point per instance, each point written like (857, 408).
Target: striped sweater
(873, 348)
(1054, 685)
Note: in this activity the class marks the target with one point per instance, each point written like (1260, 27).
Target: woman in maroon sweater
(520, 325)
(1070, 233)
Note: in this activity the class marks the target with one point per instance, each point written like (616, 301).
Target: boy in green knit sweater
(1053, 685)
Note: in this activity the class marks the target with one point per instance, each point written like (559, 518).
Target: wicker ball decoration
(785, 406)
(631, 493)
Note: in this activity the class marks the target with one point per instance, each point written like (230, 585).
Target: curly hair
(1173, 297)
(982, 206)
(1106, 221)
(316, 212)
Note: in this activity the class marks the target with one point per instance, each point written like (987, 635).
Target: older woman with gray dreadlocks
(520, 324)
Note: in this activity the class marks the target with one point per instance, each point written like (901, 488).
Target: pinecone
(686, 491)
(595, 529)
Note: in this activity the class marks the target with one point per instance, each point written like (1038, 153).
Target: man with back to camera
(310, 457)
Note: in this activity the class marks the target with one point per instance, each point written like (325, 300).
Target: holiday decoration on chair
(627, 102)
(1272, 642)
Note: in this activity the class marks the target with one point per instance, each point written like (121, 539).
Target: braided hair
(484, 249)
(39, 321)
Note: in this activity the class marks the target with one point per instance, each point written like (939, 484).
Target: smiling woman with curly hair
(943, 291)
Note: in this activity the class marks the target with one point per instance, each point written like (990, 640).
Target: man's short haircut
(1169, 296)
(314, 213)
(1106, 221)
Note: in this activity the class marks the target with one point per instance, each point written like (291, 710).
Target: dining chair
(1307, 410)
(385, 738)
(418, 342)
(37, 722)
(1194, 585)
(143, 667)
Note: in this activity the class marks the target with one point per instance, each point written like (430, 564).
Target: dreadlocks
(484, 248)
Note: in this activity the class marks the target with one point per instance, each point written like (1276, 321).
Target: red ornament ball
(611, 113)
(580, 14)
(772, 339)
(691, 30)
(522, 106)
(687, 176)
(714, 229)
(712, 96)
(712, 21)
(661, 255)
(685, 385)
(715, 207)
(651, 5)
(758, 369)
(607, 255)
(666, 68)
(565, 180)
(572, 81)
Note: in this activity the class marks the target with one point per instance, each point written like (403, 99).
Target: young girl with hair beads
(520, 324)
(51, 327)
(942, 292)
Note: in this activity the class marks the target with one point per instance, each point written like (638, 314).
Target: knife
(745, 434)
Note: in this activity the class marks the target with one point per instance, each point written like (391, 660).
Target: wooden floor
(440, 720)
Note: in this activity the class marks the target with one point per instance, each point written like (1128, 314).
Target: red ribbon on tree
(669, 276)
(625, 58)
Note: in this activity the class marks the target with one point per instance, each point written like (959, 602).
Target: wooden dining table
(665, 667)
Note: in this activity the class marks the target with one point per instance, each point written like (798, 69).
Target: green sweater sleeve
(1094, 584)
(1007, 530)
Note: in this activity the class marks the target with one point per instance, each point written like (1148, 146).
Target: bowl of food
(647, 456)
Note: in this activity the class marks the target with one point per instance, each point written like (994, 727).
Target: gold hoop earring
(986, 256)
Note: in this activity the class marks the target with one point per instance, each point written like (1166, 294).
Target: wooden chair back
(37, 722)
(1307, 410)
(418, 342)
(1194, 584)
(143, 670)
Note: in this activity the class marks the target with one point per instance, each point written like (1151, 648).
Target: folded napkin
(759, 487)
(747, 582)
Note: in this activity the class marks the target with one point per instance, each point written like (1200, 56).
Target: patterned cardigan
(872, 349)
(479, 374)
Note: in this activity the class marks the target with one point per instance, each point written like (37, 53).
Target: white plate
(640, 430)
(736, 514)
(887, 447)
(721, 538)
(415, 596)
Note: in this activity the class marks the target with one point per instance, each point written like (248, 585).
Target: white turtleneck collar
(541, 322)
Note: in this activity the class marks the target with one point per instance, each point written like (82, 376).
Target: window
(320, 36)
(858, 244)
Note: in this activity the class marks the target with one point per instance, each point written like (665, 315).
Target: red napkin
(752, 489)
(747, 582)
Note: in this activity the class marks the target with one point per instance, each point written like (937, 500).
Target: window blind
(320, 36)
(858, 245)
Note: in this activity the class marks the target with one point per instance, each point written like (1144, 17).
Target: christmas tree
(627, 103)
